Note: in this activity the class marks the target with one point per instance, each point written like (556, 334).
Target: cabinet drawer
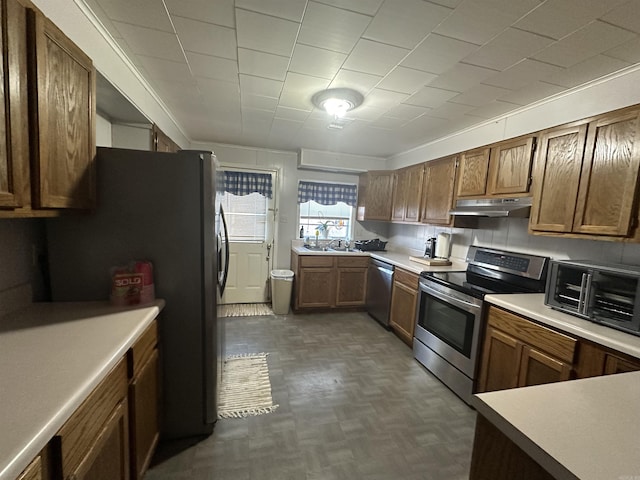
(550, 341)
(353, 262)
(86, 424)
(142, 349)
(316, 261)
(406, 278)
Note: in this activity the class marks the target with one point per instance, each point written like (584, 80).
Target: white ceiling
(244, 71)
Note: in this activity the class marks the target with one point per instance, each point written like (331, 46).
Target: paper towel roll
(442, 245)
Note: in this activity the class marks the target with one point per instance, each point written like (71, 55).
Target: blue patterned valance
(245, 183)
(327, 193)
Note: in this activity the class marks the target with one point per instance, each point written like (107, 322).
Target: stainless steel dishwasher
(379, 282)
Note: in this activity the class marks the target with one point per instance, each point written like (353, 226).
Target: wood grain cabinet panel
(14, 134)
(510, 167)
(438, 191)
(473, 172)
(33, 471)
(63, 120)
(351, 288)
(407, 194)
(404, 298)
(375, 201)
(161, 141)
(317, 286)
(520, 353)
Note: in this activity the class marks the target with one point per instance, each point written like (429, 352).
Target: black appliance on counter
(375, 245)
(451, 307)
(599, 292)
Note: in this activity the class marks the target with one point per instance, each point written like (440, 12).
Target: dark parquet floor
(353, 404)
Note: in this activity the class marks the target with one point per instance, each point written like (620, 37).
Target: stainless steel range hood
(493, 207)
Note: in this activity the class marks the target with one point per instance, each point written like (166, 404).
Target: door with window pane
(250, 224)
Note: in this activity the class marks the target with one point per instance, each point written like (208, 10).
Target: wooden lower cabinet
(329, 281)
(595, 360)
(33, 471)
(144, 401)
(404, 297)
(518, 353)
(94, 443)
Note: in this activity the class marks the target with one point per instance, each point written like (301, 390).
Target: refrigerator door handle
(222, 274)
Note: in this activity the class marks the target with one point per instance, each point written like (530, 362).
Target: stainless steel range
(451, 308)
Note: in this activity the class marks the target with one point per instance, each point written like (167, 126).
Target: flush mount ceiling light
(337, 101)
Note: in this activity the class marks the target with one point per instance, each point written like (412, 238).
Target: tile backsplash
(512, 234)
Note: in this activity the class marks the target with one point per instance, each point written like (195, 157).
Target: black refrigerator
(163, 208)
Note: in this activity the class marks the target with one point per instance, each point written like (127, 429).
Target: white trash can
(281, 285)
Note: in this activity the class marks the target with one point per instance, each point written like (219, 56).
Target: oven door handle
(467, 306)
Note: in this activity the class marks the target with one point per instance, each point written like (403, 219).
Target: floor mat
(246, 309)
(246, 388)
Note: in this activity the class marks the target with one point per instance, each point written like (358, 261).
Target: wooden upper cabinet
(472, 173)
(14, 133)
(502, 170)
(556, 176)
(407, 194)
(510, 167)
(586, 177)
(438, 191)
(377, 199)
(609, 177)
(161, 141)
(63, 120)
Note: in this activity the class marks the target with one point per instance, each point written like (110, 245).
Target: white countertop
(52, 355)
(397, 259)
(531, 305)
(580, 429)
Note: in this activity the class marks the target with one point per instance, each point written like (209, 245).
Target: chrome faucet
(331, 243)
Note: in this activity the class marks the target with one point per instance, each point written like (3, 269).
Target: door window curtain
(327, 193)
(246, 183)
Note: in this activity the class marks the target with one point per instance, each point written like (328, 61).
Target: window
(337, 218)
(246, 217)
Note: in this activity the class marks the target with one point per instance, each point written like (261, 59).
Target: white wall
(103, 131)
(135, 137)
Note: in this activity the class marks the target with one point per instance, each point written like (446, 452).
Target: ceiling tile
(430, 97)
(406, 80)
(626, 16)
(522, 73)
(447, 3)
(629, 51)
(213, 67)
(264, 87)
(265, 33)
(557, 18)
(508, 48)
(262, 64)
(201, 37)
(450, 111)
(493, 109)
(367, 113)
(288, 9)
(362, 82)
(374, 58)
(292, 114)
(298, 90)
(332, 28)
(316, 61)
(259, 102)
(479, 95)
(406, 112)
(588, 70)
(219, 12)
(517, 8)
(167, 70)
(368, 7)
(437, 54)
(462, 77)
(590, 40)
(384, 98)
(146, 13)
(405, 23)
(475, 23)
(151, 42)
(532, 92)
(390, 123)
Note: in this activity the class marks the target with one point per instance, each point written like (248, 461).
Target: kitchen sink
(314, 248)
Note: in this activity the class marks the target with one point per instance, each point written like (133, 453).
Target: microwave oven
(603, 293)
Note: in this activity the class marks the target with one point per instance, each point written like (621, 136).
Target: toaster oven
(603, 293)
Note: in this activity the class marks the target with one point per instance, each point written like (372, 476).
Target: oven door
(448, 323)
